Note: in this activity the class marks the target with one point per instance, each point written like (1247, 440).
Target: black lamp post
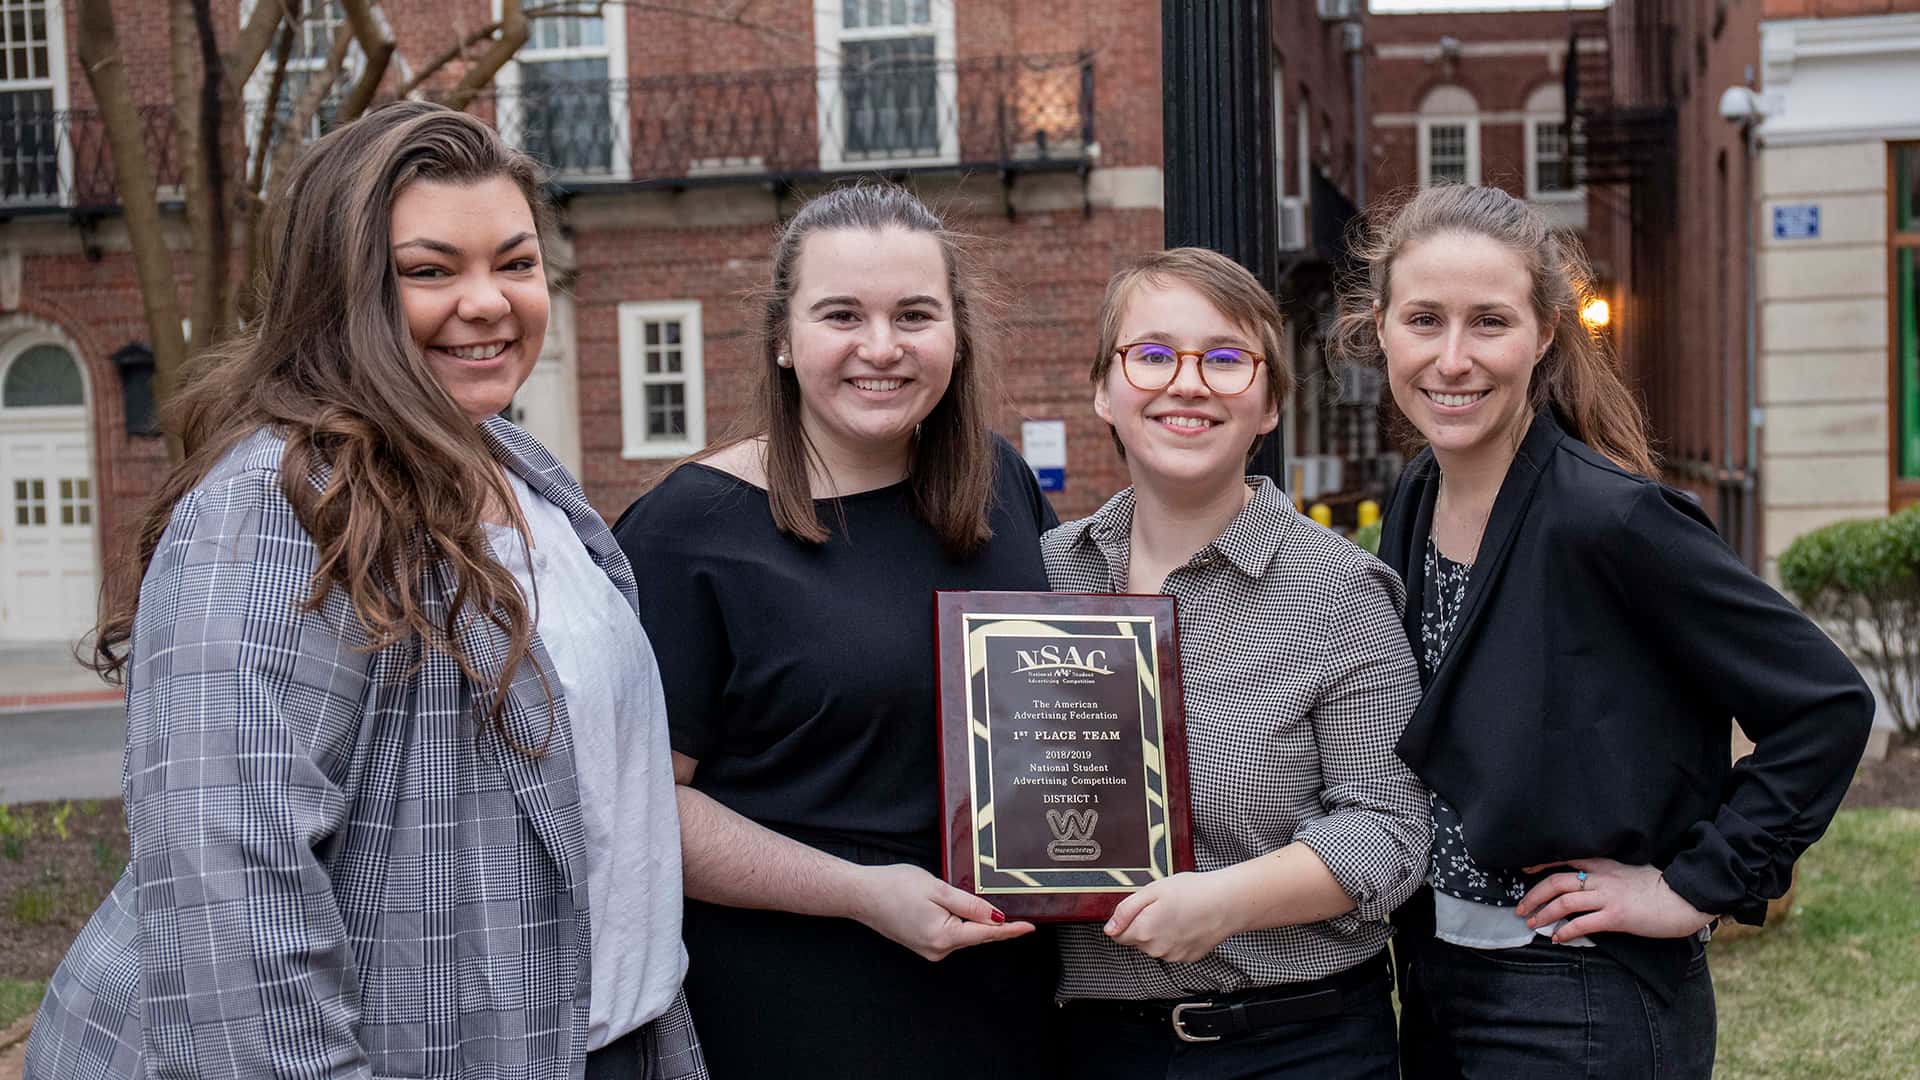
(1217, 139)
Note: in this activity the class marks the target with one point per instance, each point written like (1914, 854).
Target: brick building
(1037, 127)
(1476, 97)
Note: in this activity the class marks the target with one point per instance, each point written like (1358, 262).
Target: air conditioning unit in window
(1339, 10)
(1293, 224)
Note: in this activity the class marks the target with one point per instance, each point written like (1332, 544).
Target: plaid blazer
(333, 872)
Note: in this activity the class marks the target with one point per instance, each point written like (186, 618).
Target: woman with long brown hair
(787, 578)
(1584, 638)
(390, 813)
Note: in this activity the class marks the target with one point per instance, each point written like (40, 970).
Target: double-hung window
(30, 68)
(1449, 137)
(563, 99)
(890, 94)
(662, 400)
(1549, 164)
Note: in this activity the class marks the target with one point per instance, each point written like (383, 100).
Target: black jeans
(1547, 1012)
(1355, 1044)
(629, 1057)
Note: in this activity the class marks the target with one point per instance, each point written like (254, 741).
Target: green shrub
(1368, 536)
(1861, 580)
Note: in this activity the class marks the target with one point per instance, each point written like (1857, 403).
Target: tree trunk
(100, 58)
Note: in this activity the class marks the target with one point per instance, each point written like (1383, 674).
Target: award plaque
(1063, 756)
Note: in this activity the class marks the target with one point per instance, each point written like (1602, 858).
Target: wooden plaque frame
(1077, 720)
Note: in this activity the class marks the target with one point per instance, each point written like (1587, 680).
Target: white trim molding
(1841, 80)
(635, 380)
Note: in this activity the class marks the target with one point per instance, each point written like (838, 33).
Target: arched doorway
(48, 496)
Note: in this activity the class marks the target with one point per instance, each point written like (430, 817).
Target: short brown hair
(1229, 287)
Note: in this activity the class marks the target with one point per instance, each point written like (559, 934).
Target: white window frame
(56, 81)
(1545, 106)
(613, 49)
(634, 444)
(830, 33)
(1449, 106)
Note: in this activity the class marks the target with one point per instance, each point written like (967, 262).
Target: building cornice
(1785, 43)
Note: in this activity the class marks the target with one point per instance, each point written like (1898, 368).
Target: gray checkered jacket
(334, 873)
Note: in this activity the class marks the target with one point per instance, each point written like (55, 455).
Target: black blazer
(1581, 709)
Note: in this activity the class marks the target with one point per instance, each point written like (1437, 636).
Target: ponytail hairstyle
(1577, 376)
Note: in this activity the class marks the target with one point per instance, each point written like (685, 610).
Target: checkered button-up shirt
(1298, 680)
(335, 872)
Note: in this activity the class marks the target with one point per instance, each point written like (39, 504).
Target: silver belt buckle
(1180, 1023)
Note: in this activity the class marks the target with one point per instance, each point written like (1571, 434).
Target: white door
(546, 404)
(48, 578)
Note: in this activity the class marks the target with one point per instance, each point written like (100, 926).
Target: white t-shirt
(622, 760)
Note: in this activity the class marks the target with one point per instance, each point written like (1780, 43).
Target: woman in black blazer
(1584, 637)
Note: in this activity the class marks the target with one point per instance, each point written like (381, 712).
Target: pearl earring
(782, 360)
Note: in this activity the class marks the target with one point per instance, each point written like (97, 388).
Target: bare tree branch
(270, 111)
(376, 44)
(100, 58)
(251, 43)
(513, 34)
(312, 96)
(447, 56)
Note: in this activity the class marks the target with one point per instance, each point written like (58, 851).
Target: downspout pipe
(1353, 38)
(1756, 416)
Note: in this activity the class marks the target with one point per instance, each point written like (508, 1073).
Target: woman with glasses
(1269, 960)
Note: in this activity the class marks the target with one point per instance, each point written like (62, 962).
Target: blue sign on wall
(1796, 221)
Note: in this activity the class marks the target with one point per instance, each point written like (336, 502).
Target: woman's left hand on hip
(1601, 895)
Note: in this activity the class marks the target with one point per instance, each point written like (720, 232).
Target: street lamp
(1597, 313)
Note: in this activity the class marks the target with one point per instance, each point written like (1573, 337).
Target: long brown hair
(1577, 376)
(329, 366)
(950, 467)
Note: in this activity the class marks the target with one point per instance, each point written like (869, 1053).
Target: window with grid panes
(1904, 240)
(29, 144)
(76, 500)
(888, 78)
(662, 402)
(1447, 153)
(29, 502)
(1550, 157)
(565, 110)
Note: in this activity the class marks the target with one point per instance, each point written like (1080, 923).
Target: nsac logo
(1073, 835)
(1052, 657)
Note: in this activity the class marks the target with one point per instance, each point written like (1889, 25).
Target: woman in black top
(1584, 637)
(787, 585)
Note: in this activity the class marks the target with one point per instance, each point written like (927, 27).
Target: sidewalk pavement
(42, 675)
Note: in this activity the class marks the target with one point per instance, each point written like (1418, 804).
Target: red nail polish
(999, 917)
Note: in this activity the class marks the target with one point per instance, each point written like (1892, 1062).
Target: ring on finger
(1582, 878)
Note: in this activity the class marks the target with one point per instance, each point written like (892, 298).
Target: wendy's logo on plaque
(1063, 756)
(1073, 835)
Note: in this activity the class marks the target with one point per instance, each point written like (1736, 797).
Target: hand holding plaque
(1063, 752)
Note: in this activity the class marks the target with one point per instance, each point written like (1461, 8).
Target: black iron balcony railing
(1005, 113)
(1002, 112)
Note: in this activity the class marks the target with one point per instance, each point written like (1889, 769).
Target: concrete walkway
(36, 676)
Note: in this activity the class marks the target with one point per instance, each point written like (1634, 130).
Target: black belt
(1212, 1017)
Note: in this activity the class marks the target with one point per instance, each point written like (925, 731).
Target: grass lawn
(18, 997)
(1835, 991)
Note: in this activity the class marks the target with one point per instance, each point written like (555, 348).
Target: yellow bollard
(1366, 513)
(1322, 514)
